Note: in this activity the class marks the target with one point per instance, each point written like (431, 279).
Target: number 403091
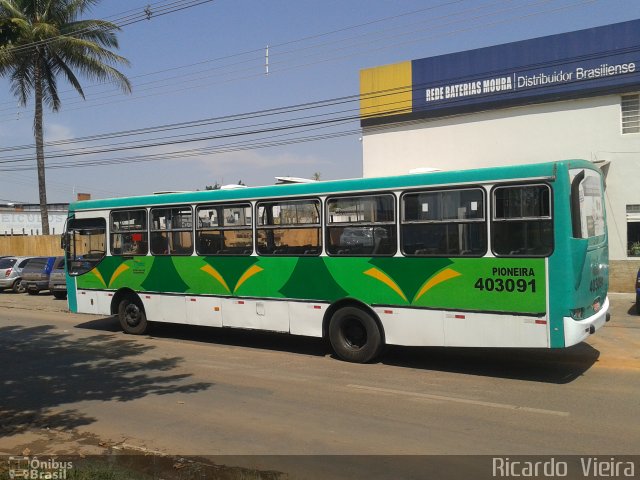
(519, 285)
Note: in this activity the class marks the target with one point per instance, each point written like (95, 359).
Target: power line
(272, 141)
(147, 13)
(351, 27)
(260, 113)
(91, 103)
(246, 145)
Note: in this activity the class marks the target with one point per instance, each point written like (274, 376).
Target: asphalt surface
(75, 383)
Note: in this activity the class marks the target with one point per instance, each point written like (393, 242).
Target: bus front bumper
(575, 331)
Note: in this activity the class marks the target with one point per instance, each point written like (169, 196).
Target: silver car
(11, 273)
(58, 280)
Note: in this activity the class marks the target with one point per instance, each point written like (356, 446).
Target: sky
(200, 80)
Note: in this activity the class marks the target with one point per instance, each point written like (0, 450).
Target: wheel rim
(132, 315)
(354, 333)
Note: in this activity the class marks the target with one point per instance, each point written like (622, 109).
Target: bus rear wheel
(131, 314)
(354, 335)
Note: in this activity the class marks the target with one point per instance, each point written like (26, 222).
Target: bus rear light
(577, 313)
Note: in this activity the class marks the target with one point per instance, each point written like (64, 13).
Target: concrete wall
(622, 275)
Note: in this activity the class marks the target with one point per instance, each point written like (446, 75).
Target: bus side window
(448, 223)
(224, 230)
(129, 232)
(289, 227)
(522, 223)
(172, 231)
(362, 225)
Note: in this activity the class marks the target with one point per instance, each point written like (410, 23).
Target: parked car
(11, 273)
(35, 274)
(362, 236)
(638, 292)
(58, 280)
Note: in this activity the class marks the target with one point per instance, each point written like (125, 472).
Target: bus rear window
(587, 204)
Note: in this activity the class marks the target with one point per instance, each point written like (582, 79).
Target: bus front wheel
(131, 314)
(354, 335)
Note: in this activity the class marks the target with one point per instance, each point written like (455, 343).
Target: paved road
(72, 382)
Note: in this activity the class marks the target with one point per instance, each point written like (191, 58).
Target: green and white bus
(511, 256)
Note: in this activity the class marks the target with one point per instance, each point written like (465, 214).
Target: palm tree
(47, 41)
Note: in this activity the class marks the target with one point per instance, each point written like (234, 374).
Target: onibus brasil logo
(35, 469)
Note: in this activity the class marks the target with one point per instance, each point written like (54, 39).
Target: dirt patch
(85, 456)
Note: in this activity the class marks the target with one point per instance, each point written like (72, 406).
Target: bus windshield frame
(85, 242)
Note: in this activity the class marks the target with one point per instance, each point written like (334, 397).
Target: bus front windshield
(587, 204)
(85, 244)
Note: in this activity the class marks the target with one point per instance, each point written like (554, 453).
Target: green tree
(8, 31)
(48, 41)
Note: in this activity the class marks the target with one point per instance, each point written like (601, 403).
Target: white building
(25, 219)
(573, 95)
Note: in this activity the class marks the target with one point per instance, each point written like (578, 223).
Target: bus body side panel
(72, 298)
(413, 327)
(440, 301)
(503, 285)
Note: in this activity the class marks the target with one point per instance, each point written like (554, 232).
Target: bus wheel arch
(126, 304)
(354, 331)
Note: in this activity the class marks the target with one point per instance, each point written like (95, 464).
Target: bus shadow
(106, 324)
(534, 365)
(237, 337)
(537, 365)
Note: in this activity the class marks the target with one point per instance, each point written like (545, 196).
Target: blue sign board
(596, 61)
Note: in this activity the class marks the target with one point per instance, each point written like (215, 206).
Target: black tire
(354, 335)
(33, 292)
(60, 295)
(132, 317)
(18, 287)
